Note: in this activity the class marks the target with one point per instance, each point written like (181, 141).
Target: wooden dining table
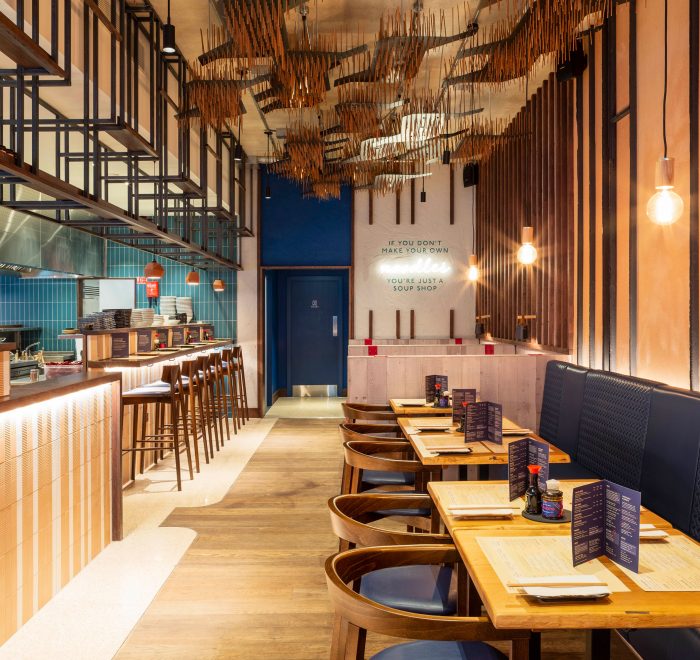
(416, 408)
(493, 557)
(443, 436)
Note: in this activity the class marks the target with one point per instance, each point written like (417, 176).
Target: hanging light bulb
(238, 151)
(665, 206)
(423, 196)
(527, 254)
(168, 35)
(473, 271)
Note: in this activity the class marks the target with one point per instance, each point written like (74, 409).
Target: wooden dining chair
(440, 637)
(371, 464)
(354, 518)
(353, 431)
(369, 412)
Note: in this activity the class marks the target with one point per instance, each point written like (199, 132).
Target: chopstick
(467, 507)
(560, 583)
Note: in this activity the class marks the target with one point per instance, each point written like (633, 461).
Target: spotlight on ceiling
(168, 36)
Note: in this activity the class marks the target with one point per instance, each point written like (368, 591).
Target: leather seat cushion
(419, 589)
(420, 513)
(380, 478)
(440, 651)
(571, 470)
(665, 643)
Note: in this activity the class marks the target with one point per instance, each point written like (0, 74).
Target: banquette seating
(643, 435)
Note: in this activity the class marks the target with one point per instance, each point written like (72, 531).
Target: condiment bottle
(533, 494)
(463, 418)
(553, 501)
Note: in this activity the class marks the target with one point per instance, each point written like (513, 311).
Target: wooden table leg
(598, 644)
(535, 646)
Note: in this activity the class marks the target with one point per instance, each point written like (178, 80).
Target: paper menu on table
(670, 566)
(605, 522)
(482, 493)
(459, 397)
(484, 422)
(522, 453)
(518, 557)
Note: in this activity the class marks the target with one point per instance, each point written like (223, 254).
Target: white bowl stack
(168, 306)
(148, 316)
(137, 318)
(158, 319)
(184, 306)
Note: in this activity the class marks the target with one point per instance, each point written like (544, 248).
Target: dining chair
(439, 637)
(352, 431)
(368, 411)
(371, 464)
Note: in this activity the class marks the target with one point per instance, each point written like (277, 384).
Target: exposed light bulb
(666, 205)
(527, 254)
(473, 270)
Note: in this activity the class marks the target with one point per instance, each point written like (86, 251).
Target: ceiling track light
(168, 36)
(665, 206)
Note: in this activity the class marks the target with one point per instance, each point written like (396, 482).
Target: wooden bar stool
(231, 377)
(378, 432)
(209, 400)
(170, 408)
(237, 354)
(198, 427)
(219, 381)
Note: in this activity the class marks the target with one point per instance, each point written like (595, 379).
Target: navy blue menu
(458, 398)
(430, 382)
(178, 336)
(484, 423)
(605, 522)
(195, 331)
(522, 453)
(144, 341)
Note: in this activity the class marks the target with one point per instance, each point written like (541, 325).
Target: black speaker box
(470, 174)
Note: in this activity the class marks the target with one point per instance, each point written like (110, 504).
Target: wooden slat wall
(529, 180)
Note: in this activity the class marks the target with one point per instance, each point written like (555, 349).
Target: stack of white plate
(171, 322)
(158, 319)
(148, 316)
(184, 306)
(168, 306)
(137, 319)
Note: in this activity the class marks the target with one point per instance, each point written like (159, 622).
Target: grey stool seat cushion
(440, 651)
(419, 589)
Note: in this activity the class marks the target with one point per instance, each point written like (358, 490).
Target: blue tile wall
(218, 308)
(50, 304)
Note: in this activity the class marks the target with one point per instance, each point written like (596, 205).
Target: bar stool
(231, 376)
(209, 401)
(237, 354)
(168, 398)
(219, 379)
(198, 426)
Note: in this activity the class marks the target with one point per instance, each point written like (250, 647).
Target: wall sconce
(473, 271)
(527, 254)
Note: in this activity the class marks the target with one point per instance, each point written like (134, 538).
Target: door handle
(335, 326)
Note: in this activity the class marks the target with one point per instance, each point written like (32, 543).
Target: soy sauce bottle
(533, 494)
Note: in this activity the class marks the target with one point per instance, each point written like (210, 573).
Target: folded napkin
(562, 587)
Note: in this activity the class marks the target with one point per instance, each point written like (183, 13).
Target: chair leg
(355, 643)
(134, 436)
(233, 394)
(185, 433)
(339, 635)
(223, 403)
(203, 426)
(144, 420)
(192, 419)
(176, 451)
(520, 649)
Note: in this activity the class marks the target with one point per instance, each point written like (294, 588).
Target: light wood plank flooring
(252, 584)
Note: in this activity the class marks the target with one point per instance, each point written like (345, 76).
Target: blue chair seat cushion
(664, 643)
(440, 651)
(381, 478)
(422, 589)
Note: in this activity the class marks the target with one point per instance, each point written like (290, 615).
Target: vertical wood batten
(694, 141)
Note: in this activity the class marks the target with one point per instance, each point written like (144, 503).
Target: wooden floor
(252, 584)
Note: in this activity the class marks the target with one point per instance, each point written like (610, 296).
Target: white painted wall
(384, 294)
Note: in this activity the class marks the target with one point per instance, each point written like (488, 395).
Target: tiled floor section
(252, 584)
(94, 614)
(291, 407)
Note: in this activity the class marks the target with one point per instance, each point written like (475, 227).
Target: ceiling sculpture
(376, 112)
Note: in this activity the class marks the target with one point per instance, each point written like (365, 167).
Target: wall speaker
(470, 174)
(574, 65)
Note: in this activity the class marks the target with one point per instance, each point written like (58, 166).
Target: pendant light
(527, 254)
(238, 151)
(153, 270)
(473, 271)
(168, 36)
(218, 286)
(192, 278)
(423, 196)
(665, 206)
(268, 193)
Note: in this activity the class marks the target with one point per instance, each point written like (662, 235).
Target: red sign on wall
(371, 350)
(488, 349)
(141, 280)
(152, 289)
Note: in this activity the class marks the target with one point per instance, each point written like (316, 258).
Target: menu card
(209, 330)
(430, 382)
(605, 522)
(143, 341)
(458, 398)
(484, 423)
(120, 345)
(522, 453)
(195, 331)
(178, 336)
(162, 337)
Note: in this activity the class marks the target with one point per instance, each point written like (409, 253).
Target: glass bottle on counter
(553, 501)
(533, 494)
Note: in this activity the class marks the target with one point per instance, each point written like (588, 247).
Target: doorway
(306, 333)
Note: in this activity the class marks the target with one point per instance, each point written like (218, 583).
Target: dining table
(417, 408)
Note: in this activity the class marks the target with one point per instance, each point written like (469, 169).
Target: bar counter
(60, 486)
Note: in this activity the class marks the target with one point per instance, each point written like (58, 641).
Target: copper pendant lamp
(153, 270)
(192, 278)
(218, 286)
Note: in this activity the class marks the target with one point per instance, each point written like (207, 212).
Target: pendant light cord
(665, 75)
(168, 12)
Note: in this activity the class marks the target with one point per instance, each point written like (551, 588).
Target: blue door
(315, 319)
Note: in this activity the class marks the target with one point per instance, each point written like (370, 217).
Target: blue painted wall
(304, 232)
